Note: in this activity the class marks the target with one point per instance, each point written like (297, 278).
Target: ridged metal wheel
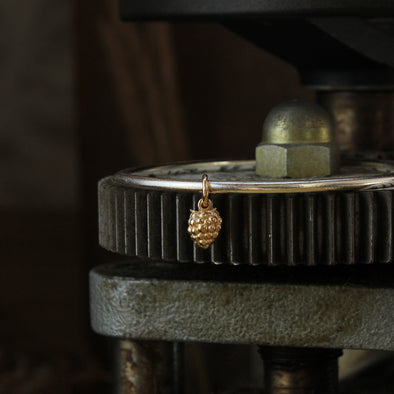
(322, 228)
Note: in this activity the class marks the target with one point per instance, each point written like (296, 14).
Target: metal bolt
(297, 142)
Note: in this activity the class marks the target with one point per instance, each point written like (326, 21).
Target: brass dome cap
(297, 122)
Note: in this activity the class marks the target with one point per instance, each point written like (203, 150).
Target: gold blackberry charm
(204, 224)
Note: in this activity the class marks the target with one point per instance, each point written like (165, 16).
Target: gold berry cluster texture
(204, 226)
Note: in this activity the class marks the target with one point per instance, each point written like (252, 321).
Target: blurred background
(82, 96)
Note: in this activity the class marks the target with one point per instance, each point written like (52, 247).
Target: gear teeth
(168, 227)
(258, 229)
(329, 226)
(254, 234)
(128, 226)
(183, 241)
(154, 236)
(384, 227)
(368, 222)
(141, 225)
(217, 251)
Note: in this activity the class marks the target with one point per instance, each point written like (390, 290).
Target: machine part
(297, 122)
(297, 142)
(377, 44)
(137, 367)
(300, 370)
(143, 367)
(144, 213)
(362, 120)
(329, 52)
(239, 177)
(178, 374)
(150, 9)
(205, 304)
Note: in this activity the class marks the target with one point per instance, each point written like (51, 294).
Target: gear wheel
(290, 228)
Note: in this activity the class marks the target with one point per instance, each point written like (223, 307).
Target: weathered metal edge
(150, 178)
(359, 317)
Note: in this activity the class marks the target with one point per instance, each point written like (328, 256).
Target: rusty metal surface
(345, 315)
(146, 367)
(138, 368)
(300, 370)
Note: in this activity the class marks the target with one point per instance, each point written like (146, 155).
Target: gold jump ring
(205, 190)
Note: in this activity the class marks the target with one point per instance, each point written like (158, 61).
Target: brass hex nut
(297, 142)
(296, 161)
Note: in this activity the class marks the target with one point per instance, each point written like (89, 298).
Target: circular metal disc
(240, 177)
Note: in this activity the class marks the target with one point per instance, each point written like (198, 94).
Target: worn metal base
(331, 308)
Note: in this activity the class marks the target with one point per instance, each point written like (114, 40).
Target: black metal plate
(218, 9)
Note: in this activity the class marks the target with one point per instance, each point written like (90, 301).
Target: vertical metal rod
(300, 370)
(178, 367)
(136, 367)
(148, 367)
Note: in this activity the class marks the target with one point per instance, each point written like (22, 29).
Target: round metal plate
(240, 177)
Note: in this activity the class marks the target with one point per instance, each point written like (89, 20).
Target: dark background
(82, 96)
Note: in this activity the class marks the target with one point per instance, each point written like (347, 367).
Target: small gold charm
(204, 224)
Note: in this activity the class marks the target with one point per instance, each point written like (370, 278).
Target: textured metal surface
(267, 229)
(267, 313)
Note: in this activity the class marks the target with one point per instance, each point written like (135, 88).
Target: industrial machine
(303, 263)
